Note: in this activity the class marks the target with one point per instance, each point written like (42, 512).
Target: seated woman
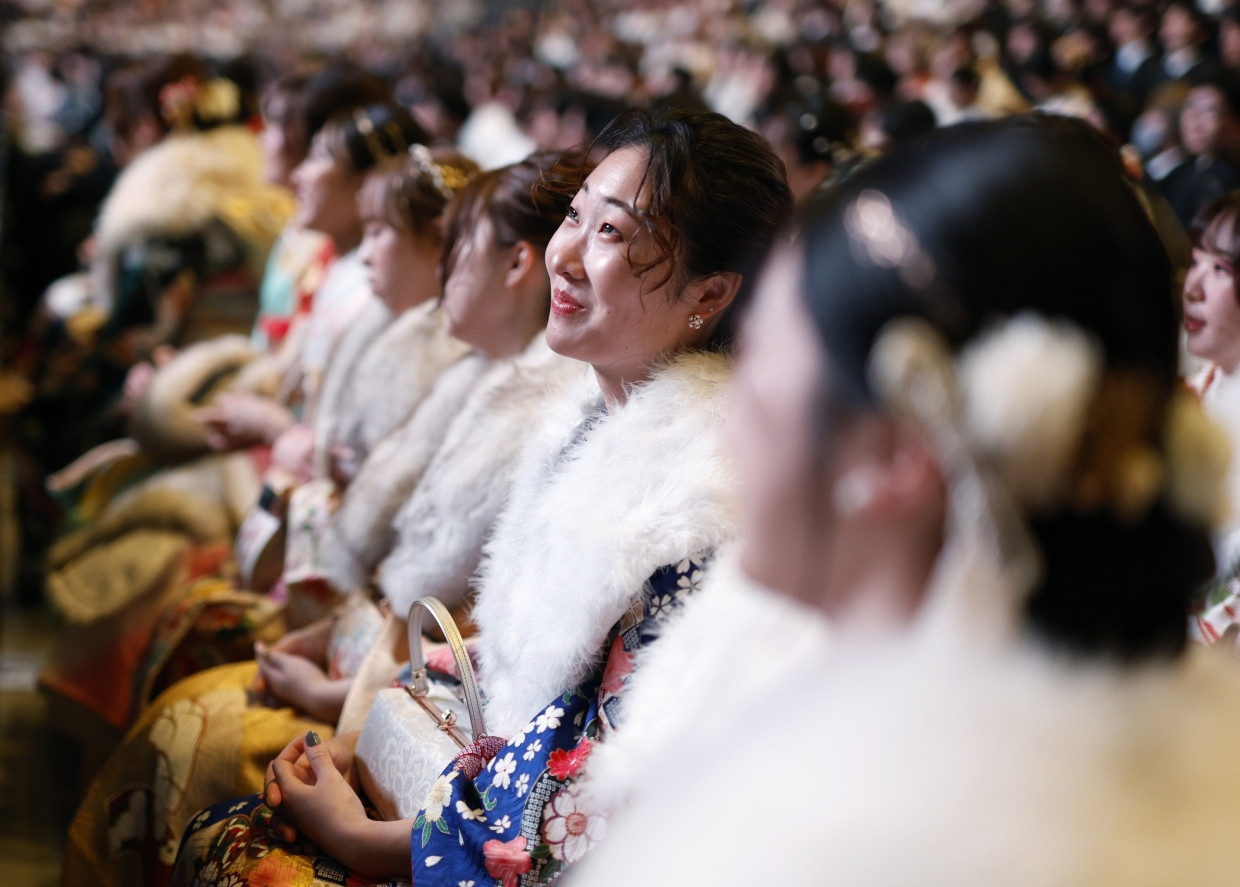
(624, 489)
(962, 442)
(404, 273)
(448, 470)
(1212, 334)
(119, 576)
(177, 250)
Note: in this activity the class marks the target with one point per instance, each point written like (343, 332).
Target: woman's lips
(1192, 325)
(563, 304)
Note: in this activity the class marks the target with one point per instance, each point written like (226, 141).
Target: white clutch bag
(412, 733)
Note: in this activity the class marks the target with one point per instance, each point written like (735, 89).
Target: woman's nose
(1192, 284)
(564, 254)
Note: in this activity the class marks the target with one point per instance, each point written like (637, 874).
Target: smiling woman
(648, 259)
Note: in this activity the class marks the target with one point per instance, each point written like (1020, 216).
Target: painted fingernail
(312, 738)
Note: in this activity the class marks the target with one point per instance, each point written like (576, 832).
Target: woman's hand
(240, 418)
(293, 452)
(325, 807)
(298, 682)
(309, 641)
(340, 749)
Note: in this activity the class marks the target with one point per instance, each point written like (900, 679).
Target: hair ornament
(1031, 406)
(914, 373)
(878, 237)
(1026, 388)
(446, 179)
(189, 99)
(366, 127)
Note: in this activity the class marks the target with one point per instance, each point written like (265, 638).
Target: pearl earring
(695, 321)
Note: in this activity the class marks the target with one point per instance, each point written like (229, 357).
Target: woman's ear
(713, 294)
(522, 262)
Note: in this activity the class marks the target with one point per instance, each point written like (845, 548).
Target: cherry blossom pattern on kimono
(520, 821)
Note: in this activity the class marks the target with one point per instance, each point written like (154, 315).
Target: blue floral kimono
(520, 821)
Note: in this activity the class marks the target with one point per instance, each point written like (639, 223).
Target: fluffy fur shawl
(440, 530)
(163, 420)
(895, 763)
(1221, 401)
(644, 486)
(379, 372)
(184, 182)
(360, 533)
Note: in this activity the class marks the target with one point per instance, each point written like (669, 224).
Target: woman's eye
(608, 228)
(571, 214)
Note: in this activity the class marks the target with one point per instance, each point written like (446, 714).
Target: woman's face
(403, 267)
(774, 431)
(601, 312)
(476, 302)
(326, 193)
(1211, 312)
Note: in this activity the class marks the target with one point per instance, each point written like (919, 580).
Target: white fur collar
(440, 530)
(185, 181)
(163, 421)
(360, 533)
(380, 371)
(647, 485)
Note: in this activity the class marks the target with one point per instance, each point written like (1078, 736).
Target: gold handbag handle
(464, 668)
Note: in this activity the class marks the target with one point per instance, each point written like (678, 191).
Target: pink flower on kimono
(273, 871)
(507, 860)
(619, 667)
(566, 764)
(568, 830)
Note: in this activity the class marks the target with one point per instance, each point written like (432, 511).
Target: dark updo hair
(524, 201)
(311, 97)
(362, 137)
(718, 194)
(410, 193)
(1029, 213)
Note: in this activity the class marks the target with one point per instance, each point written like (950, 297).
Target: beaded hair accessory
(446, 179)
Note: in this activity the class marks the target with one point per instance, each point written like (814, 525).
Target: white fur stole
(646, 486)
(360, 533)
(440, 530)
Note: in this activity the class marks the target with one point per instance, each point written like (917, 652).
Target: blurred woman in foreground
(962, 442)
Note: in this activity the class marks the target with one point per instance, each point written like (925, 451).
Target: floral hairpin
(213, 101)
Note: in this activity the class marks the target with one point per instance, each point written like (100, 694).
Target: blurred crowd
(828, 82)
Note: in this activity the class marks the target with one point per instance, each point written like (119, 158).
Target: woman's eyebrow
(628, 208)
